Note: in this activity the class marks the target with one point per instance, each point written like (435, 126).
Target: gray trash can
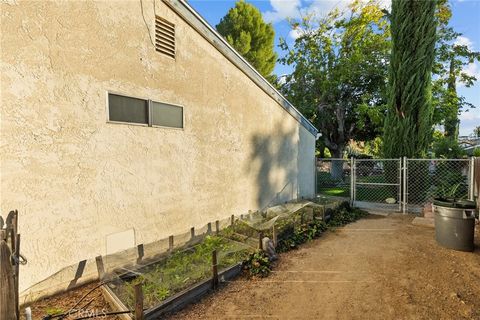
(454, 223)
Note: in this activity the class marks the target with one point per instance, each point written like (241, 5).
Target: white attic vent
(164, 37)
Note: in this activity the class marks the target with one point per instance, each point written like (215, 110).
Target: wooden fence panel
(476, 184)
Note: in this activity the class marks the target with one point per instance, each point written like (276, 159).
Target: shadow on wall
(274, 162)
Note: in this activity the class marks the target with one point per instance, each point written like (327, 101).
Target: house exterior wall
(75, 178)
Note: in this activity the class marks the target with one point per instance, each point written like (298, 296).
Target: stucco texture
(75, 178)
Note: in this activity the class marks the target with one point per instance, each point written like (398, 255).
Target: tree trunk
(451, 120)
(336, 170)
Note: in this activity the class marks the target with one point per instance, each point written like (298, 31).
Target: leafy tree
(339, 73)
(451, 58)
(243, 28)
(408, 124)
(445, 147)
(476, 131)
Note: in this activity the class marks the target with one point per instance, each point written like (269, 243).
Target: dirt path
(377, 268)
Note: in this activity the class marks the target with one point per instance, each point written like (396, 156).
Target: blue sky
(466, 19)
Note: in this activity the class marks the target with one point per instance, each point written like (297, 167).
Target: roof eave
(182, 8)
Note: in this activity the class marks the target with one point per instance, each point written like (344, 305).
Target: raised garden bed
(171, 277)
(180, 278)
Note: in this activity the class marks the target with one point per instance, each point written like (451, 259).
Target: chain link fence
(334, 178)
(430, 178)
(394, 184)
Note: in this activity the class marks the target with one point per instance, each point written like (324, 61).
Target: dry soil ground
(376, 268)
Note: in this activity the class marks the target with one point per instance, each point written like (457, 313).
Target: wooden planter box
(175, 302)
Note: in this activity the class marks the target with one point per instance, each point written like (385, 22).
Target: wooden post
(232, 222)
(192, 232)
(260, 242)
(13, 230)
(7, 285)
(141, 253)
(138, 302)
(209, 228)
(100, 267)
(214, 270)
(274, 236)
(17, 272)
(217, 227)
(170, 243)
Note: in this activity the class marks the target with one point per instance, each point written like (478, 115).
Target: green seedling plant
(186, 267)
(181, 270)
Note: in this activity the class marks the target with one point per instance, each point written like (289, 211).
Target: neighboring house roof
(193, 18)
(467, 142)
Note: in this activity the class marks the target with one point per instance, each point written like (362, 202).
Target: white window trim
(149, 101)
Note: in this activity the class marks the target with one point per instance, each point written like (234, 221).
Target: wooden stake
(214, 270)
(138, 302)
(141, 253)
(274, 235)
(17, 269)
(217, 227)
(260, 242)
(192, 232)
(100, 267)
(170, 243)
(209, 228)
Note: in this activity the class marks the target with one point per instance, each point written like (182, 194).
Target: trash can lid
(454, 203)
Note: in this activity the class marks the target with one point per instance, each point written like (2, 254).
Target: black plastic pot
(455, 223)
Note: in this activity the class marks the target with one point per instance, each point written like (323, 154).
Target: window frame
(149, 111)
(170, 104)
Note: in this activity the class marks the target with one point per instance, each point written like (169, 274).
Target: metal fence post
(471, 178)
(404, 186)
(352, 180)
(315, 173)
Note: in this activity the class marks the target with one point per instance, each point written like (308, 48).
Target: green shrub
(344, 216)
(291, 238)
(258, 264)
(445, 147)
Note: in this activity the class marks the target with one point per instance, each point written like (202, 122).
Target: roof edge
(192, 17)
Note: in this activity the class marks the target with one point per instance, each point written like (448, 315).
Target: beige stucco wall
(76, 178)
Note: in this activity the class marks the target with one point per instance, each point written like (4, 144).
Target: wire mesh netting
(427, 179)
(167, 268)
(334, 177)
(178, 270)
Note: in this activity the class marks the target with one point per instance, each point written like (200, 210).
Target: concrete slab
(425, 222)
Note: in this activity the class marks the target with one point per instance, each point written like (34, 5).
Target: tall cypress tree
(408, 125)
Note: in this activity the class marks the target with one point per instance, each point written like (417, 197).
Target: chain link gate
(377, 184)
(403, 185)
